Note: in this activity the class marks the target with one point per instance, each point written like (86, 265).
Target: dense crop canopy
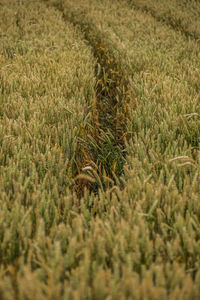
(99, 149)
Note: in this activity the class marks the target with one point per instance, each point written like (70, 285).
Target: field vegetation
(181, 15)
(99, 149)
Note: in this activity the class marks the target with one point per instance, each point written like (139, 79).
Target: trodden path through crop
(78, 80)
(101, 152)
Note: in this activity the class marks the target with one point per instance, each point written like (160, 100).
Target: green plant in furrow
(150, 62)
(162, 79)
(141, 242)
(113, 93)
(163, 163)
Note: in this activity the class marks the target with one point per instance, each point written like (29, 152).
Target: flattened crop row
(146, 241)
(139, 242)
(109, 113)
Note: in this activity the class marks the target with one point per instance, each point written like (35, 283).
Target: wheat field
(99, 150)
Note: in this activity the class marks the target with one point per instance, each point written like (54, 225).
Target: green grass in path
(141, 242)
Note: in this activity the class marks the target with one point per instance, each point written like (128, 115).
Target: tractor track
(104, 140)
